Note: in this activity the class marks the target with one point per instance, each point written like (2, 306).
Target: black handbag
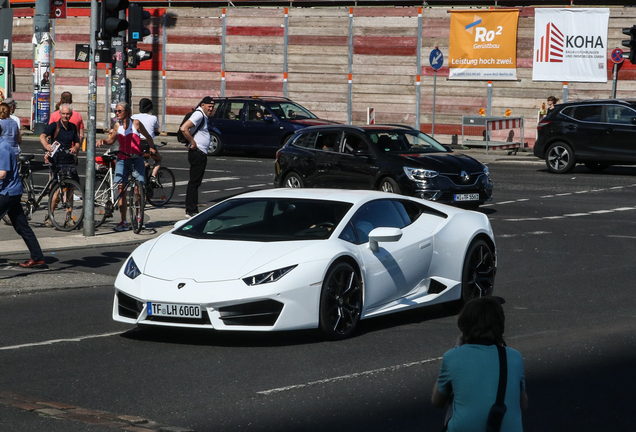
(498, 410)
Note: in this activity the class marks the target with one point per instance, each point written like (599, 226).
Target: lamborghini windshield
(267, 219)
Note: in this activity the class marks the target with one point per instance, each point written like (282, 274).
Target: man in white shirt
(151, 124)
(197, 151)
(12, 106)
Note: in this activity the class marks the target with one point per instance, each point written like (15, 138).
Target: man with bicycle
(10, 193)
(62, 143)
(127, 132)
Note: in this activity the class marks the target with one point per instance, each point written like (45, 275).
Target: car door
(228, 122)
(260, 129)
(398, 268)
(326, 158)
(355, 168)
(620, 134)
(587, 132)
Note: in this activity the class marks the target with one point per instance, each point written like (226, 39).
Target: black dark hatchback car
(597, 133)
(256, 123)
(391, 158)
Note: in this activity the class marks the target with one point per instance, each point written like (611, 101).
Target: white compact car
(286, 259)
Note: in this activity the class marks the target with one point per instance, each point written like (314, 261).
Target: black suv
(597, 133)
(390, 158)
(256, 123)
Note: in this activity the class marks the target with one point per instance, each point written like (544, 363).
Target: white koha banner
(570, 45)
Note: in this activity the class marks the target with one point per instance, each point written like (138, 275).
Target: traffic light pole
(42, 65)
(118, 76)
(89, 204)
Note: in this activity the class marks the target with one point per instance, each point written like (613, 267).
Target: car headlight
(486, 171)
(131, 270)
(267, 277)
(419, 174)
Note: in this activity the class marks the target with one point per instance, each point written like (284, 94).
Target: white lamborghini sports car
(285, 259)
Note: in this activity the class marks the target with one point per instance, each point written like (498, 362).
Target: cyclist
(151, 123)
(62, 156)
(128, 133)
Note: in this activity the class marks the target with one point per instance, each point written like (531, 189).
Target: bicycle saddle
(26, 157)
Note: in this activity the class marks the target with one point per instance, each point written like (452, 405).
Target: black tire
(387, 184)
(102, 200)
(136, 203)
(596, 167)
(478, 274)
(66, 205)
(161, 193)
(216, 146)
(559, 158)
(293, 180)
(340, 302)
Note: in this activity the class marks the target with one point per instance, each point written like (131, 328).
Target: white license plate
(467, 197)
(173, 310)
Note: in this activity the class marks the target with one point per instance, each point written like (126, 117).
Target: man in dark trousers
(10, 204)
(197, 151)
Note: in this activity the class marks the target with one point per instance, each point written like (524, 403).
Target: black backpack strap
(503, 375)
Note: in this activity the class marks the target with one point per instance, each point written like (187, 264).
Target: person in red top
(76, 118)
(127, 133)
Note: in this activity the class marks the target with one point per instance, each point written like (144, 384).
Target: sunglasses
(119, 111)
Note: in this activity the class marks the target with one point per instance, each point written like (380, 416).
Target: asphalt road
(566, 272)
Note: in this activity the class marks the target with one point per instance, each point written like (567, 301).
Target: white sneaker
(122, 226)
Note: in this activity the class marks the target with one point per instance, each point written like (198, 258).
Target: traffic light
(111, 24)
(135, 56)
(136, 17)
(631, 44)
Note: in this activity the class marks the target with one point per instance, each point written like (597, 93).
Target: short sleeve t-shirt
(10, 132)
(11, 185)
(150, 122)
(471, 373)
(67, 137)
(202, 137)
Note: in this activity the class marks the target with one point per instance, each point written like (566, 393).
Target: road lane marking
(619, 209)
(349, 376)
(54, 341)
(208, 180)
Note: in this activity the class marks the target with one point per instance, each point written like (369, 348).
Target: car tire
(340, 302)
(216, 147)
(595, 166)
(388, 184)
(478, 273)
(293, 180)
(560, 158)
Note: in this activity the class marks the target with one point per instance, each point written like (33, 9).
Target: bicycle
(159, 192)
(107, 196)
(65, 195)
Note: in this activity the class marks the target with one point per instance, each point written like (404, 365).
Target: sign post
(436, 60)
(617, 58)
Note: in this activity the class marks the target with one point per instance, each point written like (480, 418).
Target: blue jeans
(123, 167)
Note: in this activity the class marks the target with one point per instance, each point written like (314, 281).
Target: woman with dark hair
(551, 102)
(469, 374)
(151, 124)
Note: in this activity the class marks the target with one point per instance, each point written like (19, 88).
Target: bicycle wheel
(102, 200)
(28, 197)
(136, 202)
(161, 192)
(66, 205)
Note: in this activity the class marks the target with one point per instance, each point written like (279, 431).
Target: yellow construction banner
(483, 44)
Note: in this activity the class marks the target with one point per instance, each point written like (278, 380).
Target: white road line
(576, 214)
(53, 341)
(257, 185)
(625, 237)
(602, 211)
(624, 208)
(349, 376)
(207, 180)
(234, 188)
(210, 191)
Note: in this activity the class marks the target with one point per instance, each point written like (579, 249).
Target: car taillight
(542, 123)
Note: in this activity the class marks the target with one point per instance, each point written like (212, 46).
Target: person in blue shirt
(10, 204)
(469, 374)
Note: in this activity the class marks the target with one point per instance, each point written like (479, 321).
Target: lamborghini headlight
(268, 277)
(131, 270)
(419, 174)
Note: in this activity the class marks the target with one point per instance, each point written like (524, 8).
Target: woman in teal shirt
(470, 372)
